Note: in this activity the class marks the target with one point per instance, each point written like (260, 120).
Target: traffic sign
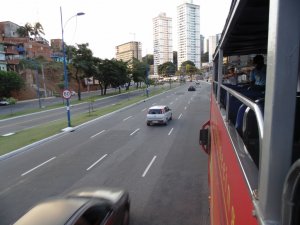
(67, 94)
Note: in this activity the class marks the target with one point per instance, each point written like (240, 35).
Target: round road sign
(67, 94)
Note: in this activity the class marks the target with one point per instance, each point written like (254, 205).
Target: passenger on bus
(231, 77)
(258, 74)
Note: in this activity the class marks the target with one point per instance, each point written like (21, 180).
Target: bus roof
(246, 28)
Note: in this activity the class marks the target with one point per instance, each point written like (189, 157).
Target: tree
(12, 81)
(25, 31)
(28, 30)
(22, 32)
(138, 71)
(191, 70)
(37, 30)
(148, 59)
(120, 74)
(81, 59)
(183, 66)
(110, 72)
(166, 69)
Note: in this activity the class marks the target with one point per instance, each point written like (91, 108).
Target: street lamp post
(147, 80)
(66, 84)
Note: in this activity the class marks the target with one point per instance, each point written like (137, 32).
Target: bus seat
(234, 105)
(253, 94)
(251, 135)
(239, 119)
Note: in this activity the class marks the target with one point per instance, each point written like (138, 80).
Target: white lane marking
(134, 131)
(154, 103)
(127, 118)
(96, 162)
(184, 108)
(170, 131)
(180, 116)
(143, 109)
(176, 99)
(171, 103)
(8, 134)
(97, 134)
(148, 167)
(38, 166)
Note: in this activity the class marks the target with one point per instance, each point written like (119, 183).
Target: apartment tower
(128, 51)
(162, 40)
(188, 27)
(212, 45)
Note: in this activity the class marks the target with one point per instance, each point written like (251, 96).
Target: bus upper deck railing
(244, 100)
(249, 103)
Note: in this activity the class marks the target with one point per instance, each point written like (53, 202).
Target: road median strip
(29, 136)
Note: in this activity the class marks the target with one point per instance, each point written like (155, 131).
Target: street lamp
(66, 85)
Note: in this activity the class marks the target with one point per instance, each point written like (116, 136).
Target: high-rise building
(201, 44)
(162, 40)
(128, 51)
(188, 27)
(212, 45)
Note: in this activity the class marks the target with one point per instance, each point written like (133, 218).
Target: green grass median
(31, 135)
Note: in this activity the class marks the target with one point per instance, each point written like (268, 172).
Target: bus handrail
(252, 105)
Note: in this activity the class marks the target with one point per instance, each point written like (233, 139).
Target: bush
(12, 101)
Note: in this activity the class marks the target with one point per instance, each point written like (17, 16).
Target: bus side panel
(231, 203)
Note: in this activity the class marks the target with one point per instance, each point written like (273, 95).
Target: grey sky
(111, 22)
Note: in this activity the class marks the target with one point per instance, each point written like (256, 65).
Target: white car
(159, 114)
(4, 102)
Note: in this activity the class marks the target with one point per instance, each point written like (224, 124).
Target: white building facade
(188, 27)
(212, 45)
(162, 40)
(128, 51)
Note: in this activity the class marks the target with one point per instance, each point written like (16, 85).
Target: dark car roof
(52, 212)
(58, 211)
(113, 195)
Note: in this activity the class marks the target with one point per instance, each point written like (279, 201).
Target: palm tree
(37, 29)
(22, 32)
(25, 31)
(28, 27)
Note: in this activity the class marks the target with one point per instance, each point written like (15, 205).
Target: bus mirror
(203, 137)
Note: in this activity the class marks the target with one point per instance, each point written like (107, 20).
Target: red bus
(253, 135)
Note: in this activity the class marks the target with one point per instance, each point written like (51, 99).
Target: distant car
(82, 207)
(191, 88)
(159, 114)
(4, 102)
(73, 93)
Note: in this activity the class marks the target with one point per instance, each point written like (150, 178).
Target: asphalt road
(162, 167)
(16, 124)
(46, 102)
